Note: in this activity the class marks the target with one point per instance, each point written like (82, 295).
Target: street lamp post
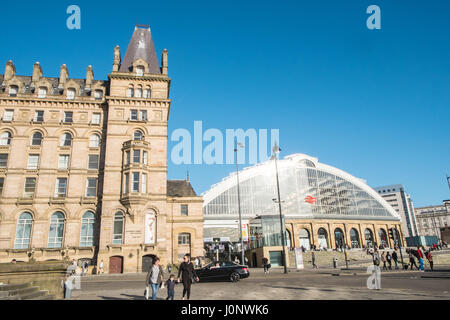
(239, 202)
(276, 150)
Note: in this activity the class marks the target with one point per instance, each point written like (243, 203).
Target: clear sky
(375, 103)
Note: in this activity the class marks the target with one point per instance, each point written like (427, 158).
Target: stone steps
(24, 291)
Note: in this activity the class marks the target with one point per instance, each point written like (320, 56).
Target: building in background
(83, 166)
(431, 219)
(322, 206)
(401, 202)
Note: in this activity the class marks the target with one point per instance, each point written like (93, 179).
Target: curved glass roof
(308, 189)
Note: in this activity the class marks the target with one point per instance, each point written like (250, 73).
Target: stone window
(5, 138)
(133, 115)
(61, 188)
(3, 160)
(2, 183)
(144, 183)
(23, 231)
(42, 92)
(138, 92)
(138, 135)
(94, 141)
(96, 118)
(130, 91)
(98, 94)
(71, 93)
(30, 187)
(135, 182)
(93, 162)
(38, 116)
(8, 116)
(140, 71)
(56, 233)
(184, 210)
(136, 156)
(147, 93)
(68, 117)
(184, 239)
(87, 229)
(63, 162)
(91, 187)
(33, 162)
(66, 140)
(118, 228)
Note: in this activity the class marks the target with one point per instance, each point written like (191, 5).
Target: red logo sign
(310, 200)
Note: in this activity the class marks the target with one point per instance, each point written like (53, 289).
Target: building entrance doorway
(116, 264)
(147, 261)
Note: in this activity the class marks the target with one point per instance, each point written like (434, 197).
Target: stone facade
(431, 219)
(95, 152)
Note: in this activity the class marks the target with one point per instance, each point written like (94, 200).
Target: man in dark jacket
(395, 258)
(154, 279)
(265, 262)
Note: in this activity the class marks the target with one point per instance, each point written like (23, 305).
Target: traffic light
(391, 233)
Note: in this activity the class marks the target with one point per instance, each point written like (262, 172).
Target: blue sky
(375, 103)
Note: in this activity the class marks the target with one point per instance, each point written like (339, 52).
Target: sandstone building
(83, 166)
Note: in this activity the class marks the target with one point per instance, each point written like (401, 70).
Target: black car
(219, 271)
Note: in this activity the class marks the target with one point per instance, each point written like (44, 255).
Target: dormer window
(140, 71)
(71, 93)
(13, 91)
(42, 92)
(130, 92)
(98, 94)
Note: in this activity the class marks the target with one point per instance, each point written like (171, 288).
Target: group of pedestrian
(419, 254)
(155, 279)
(386, 257)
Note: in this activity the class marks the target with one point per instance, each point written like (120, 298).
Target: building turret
(89, 76)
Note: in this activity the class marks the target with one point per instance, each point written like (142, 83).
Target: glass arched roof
(308, 189)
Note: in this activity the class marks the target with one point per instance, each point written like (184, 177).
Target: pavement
(306, 284)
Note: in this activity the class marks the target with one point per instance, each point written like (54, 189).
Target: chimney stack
(63, 76)
(37, 72)
(165, 62)
(10, 71)
(117, 59)
(89, 76)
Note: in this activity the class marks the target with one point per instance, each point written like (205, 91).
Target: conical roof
(141, 46)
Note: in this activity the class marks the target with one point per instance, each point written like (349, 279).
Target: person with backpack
(388, 259)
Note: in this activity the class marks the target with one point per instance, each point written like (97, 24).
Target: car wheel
(235, 277)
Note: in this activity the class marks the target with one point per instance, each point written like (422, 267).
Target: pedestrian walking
(100, 269)
(383, 259)
(412, 261)
(395, 258)
(67, 286)
(265, 262)
(421, 266)
(246, 261)
(170, 283)
(430, 259)
(376, 258)
(388, 259)
(187, 273)
(313, 260)
(154, 279)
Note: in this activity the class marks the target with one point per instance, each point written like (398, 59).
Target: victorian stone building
(83, 166)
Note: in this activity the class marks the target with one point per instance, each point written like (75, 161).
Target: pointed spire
(10, 71)
(117, 59)
(89, 76)
(141, 46)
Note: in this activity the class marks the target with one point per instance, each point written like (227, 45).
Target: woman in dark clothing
(187, 272)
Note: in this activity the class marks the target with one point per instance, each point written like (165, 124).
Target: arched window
(56, 233)
(130, 91)
(87, 229)
(368, 235)
(118, 228)
(66, 140)
(323, 238)
(23, 231)
(148, 93)
(138, 135)
(139, 92)
(13, 91)
(36, 139)
(71, 93)
(5, 138)
(140, 71)
(339, 238)
(304, 239)
(354, 238)
(383, 237)
(184, 238)
(94, 141)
